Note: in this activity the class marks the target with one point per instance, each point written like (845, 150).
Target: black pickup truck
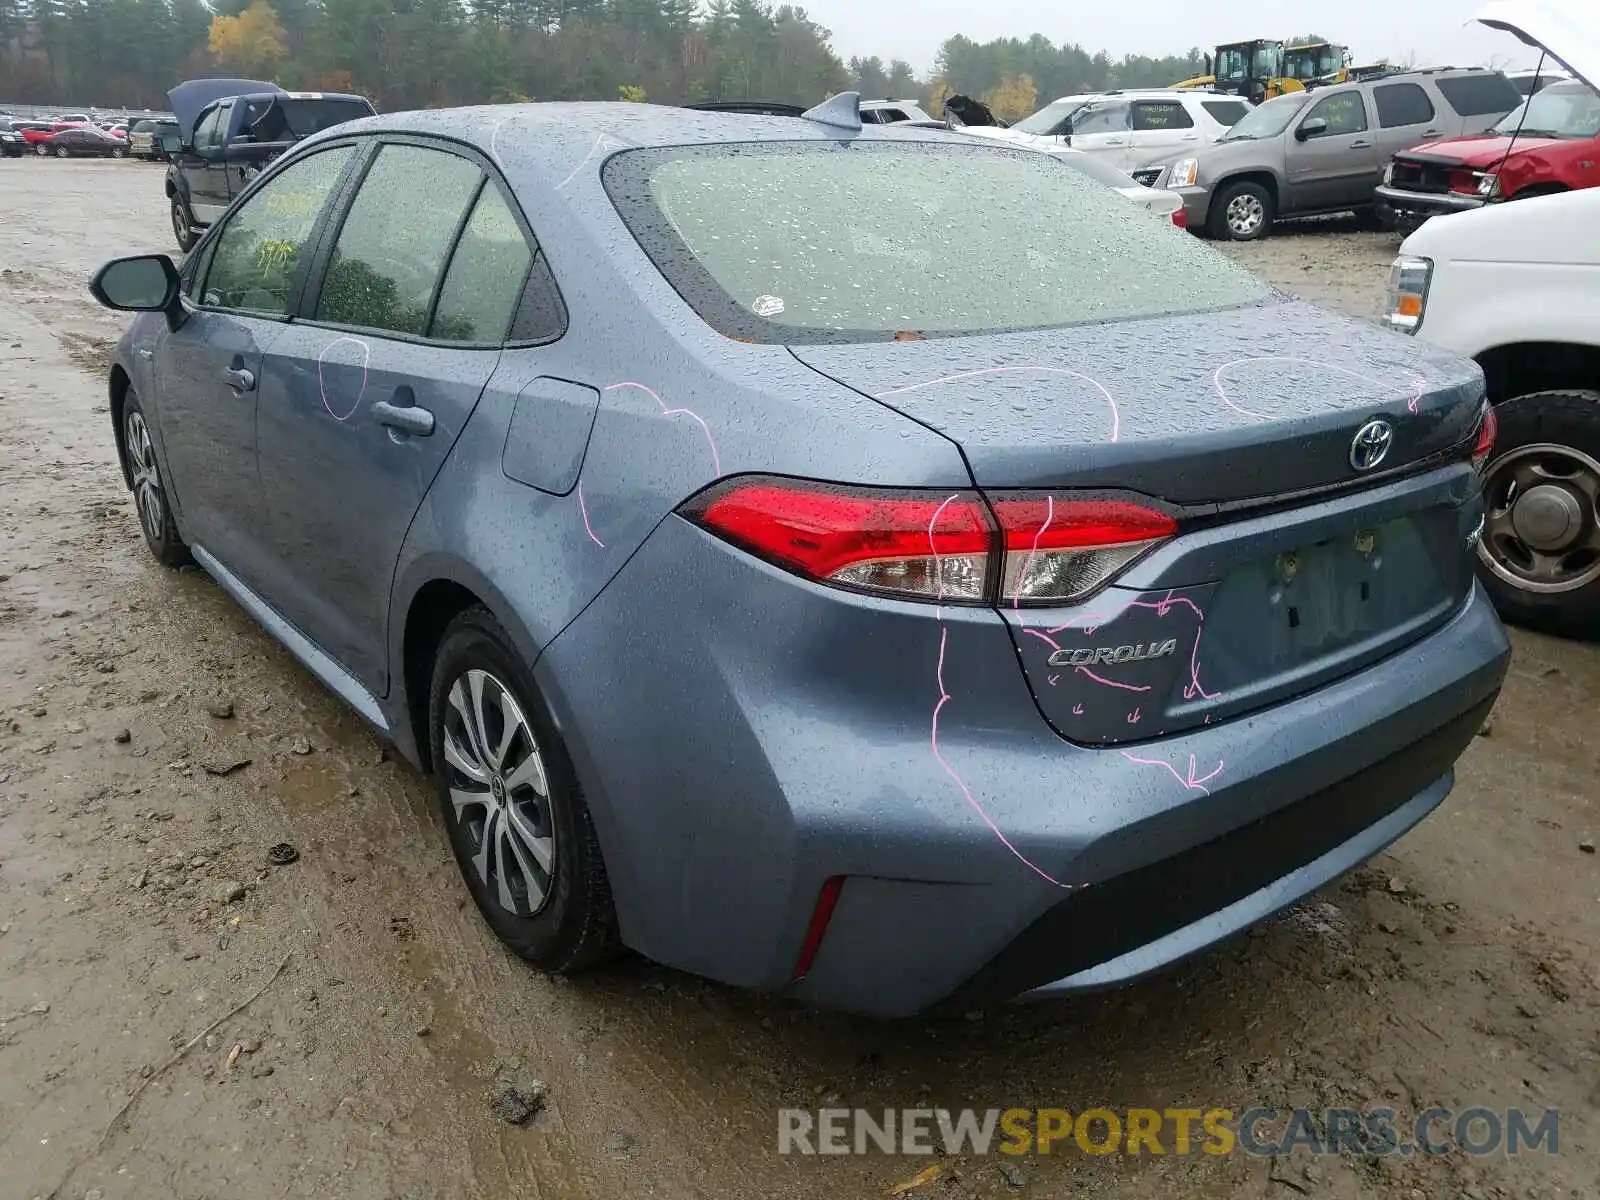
(228, 130)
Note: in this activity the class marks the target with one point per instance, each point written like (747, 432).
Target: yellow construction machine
(1252, 69)
(1319, 64)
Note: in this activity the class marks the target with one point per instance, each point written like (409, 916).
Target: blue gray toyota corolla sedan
(861, 564)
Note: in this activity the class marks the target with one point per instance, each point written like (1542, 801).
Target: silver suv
(1305, 153)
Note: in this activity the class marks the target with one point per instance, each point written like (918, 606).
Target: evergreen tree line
(420, 53)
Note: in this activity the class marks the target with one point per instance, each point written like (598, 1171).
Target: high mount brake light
(951, 547)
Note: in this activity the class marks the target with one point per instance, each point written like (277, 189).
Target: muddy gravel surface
(155, 746)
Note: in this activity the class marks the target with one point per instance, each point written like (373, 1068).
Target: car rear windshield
(1479, 95)
(1562, 110)
(766, 242)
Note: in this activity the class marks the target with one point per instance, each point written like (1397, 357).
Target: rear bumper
(743, 740)
(1430, 204)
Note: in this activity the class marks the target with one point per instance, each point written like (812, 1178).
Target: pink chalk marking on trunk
(944, 698)
(1417, 381)
(1116, 416)
(1043, 637)
(1077, 710)
(1112, 683)
(716, 459)
(1053, 680)
(583, 510)
(1134, 717)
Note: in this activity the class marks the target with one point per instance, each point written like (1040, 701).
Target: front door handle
(405, 418)
(1113, 142)
(1361, 144)
(1432, 133)
(240, 379)
(1190, 137)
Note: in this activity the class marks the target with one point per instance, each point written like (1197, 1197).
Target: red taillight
(1488, 428)
(1180, 218)
(820, 916)
(934, 545)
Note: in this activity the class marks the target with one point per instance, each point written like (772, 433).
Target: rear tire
(512, 806)
(1241, 212)
(118, 152)
(63, 152)
(41, 150)
(1539, 558)
(149, 492)
(183, 224)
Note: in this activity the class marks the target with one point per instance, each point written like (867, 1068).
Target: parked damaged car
(228, 130)
(910, 614)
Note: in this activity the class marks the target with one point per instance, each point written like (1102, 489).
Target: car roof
(558, 137)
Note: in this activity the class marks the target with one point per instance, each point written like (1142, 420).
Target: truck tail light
(1488, 429)
(951, 547)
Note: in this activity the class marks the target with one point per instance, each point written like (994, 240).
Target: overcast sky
(1434, 30)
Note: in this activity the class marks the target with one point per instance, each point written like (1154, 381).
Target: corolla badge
(1371, 444)
(1089, 657)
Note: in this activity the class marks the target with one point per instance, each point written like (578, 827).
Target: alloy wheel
(147, 494)
(499, 791)
(1542, 518)
(1244, 215)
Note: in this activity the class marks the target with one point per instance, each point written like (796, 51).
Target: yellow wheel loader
(1253, 69)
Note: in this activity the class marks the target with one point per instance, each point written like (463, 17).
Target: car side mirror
(1313, 127)
(143, 283)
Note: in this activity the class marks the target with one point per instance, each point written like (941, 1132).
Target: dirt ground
(154, 744)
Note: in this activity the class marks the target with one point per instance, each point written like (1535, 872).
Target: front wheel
(1539, 557)
(183, 225)
(1241, 212)
(510, 801)
(41, 149)
(149, 493)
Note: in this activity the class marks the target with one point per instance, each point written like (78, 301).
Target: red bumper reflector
(820, 916)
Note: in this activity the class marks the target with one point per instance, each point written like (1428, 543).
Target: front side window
(1052, 120)
(1345, 112)
(486, 275)
(1161, 114)
(1402, 104)
(1233, 63)
(1563, 110)
(392, 246)
(260, 253)
(1101, 118)
(765, 241)
(205, 133)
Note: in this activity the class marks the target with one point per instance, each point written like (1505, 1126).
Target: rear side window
(392, 246)
(1479, 95)
(1402, 104)
(765, 241)
(1161, 114)
(486, 275)
(1226, 112)
(257, 258)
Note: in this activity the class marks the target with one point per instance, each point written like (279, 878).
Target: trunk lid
(1267, 592)
(1205, 408)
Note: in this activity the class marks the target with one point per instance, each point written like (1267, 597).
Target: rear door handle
(1362, 144)
(405, 418)
(240, 379)
(1432, 133)
(1113, 142)
(1190, 137)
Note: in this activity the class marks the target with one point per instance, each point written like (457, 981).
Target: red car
(1549, 144)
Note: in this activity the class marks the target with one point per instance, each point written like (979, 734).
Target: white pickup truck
(1516, 286)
